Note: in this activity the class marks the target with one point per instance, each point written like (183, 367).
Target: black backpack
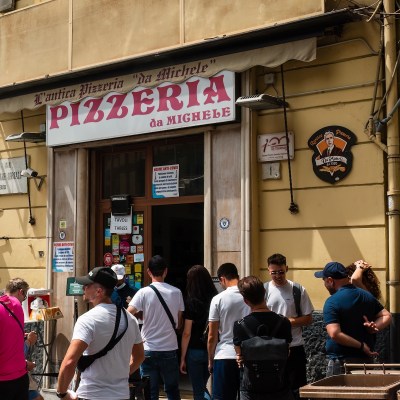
(264, 359)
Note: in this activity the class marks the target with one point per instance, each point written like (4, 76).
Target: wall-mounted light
(27, 137)
(260, 102)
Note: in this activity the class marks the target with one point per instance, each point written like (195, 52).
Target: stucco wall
(58, 36)
(19, 254)
(344, 221)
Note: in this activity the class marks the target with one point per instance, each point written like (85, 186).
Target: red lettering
(171, 120)
(216, 89)
(175, 91)
(57, 114)
(75, 114)
(196, 116)
(226, 112)
(94, 114)
(138, 101)
(117, 110)
(206, 114)
(193, 100)
(216, 113)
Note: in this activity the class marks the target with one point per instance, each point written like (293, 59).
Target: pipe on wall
(393, 182)
(248, 85)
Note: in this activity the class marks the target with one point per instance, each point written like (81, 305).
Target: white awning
(272, 56)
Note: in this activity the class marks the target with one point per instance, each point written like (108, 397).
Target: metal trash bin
(354, 386)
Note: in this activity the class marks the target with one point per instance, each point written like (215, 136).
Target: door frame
(144, 203)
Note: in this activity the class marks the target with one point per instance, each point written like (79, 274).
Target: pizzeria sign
(197, 101)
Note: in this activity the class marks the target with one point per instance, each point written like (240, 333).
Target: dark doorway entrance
(178, 236)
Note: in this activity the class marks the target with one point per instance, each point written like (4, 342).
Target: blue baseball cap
(333, 270)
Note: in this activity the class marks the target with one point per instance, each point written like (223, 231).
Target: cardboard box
(47, 314)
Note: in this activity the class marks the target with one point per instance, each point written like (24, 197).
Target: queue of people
(226, 335)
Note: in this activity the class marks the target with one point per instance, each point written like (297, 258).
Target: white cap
(119, 269)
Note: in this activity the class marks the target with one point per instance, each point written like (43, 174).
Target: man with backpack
(261, 342)
(291, 300)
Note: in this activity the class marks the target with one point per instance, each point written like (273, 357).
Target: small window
(124, 173)
(190, 157)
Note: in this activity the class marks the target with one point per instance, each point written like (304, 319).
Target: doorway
(178, 236)
(169, 225)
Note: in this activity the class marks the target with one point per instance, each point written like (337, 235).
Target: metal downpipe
(393, 183)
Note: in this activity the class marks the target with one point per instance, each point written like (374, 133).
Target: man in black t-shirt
(253, 292)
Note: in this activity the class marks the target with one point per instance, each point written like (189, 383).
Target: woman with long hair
(200, 289)
(362, 276)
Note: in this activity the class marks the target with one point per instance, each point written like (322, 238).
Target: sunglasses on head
(281, 272)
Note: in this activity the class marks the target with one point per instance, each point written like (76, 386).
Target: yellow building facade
(322, 57)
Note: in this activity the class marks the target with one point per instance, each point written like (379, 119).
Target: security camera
(29, 173)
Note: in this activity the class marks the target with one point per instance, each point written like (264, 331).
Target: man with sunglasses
(291, 300)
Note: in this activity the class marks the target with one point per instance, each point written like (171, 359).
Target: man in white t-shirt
(158, 331)
(107, 377)
(226, 308)
(280, 298)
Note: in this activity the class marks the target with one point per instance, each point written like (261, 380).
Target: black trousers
(296, 368)
(17, 389)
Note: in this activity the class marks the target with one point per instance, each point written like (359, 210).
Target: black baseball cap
(334, 270)
(105, 276)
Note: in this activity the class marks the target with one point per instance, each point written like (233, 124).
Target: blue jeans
(197, 367)
(226, 380)
(164, 364)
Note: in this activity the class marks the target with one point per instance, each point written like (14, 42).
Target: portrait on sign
(332, 159)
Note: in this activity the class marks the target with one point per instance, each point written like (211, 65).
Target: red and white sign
(197, 101)
(124, 247)
(108, 259)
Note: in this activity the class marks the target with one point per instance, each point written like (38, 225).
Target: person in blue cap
(351, 315)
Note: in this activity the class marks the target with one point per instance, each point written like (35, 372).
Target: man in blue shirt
(352, 316)
(122, 293)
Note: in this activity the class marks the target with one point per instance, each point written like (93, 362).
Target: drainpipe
(393, 183)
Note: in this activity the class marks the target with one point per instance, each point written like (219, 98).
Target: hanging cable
(32, 220)
(293, 208)
(378, 72)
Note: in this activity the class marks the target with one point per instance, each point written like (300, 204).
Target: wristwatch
(61, 395)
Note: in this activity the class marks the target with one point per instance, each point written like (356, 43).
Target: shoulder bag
(164, 304)
(87, 360)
